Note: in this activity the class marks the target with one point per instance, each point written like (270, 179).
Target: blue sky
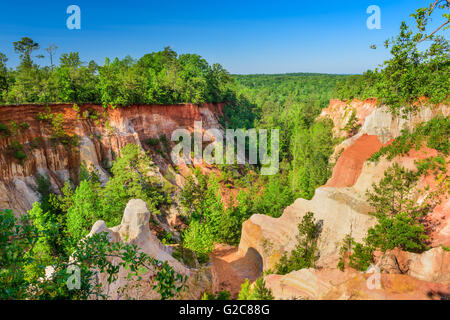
(244, 36)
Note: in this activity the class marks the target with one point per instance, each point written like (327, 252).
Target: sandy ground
(229, 269)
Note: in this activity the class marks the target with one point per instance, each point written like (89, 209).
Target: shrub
(362, 256)
(24, 125)
(222, 295)
(17, 150)
(305, 253)
(402, 232)
(199, 237)
(4, 131)
(152, 142)
(257, 291)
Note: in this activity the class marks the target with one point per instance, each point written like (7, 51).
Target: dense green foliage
(208, 219)
(53, 229)
(415, 70)
(157, 78)
(290, 103)
(19, 249)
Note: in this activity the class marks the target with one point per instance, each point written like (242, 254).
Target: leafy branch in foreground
(91, 257)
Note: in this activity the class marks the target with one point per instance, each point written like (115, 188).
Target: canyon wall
(101, 133)
(340, 207)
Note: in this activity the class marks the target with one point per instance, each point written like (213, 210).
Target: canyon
(101, 133)
(340, 205)
(341, 208)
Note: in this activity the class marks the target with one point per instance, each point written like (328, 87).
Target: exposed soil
(350, 163)
(230, 269)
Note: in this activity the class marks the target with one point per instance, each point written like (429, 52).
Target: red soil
(350, 163)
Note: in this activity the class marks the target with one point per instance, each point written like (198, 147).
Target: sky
(244, 36)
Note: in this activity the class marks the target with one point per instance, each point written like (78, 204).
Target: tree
(130, 179)
(84, 211)
(70, 60)
(51, 50)
(3, 75)
(305, 253)
(423, 16)
(397, 212)
(395, 193)
(199, 238)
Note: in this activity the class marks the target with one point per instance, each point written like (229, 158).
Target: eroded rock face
(432, 265)
(341, 209)
(340, 112)
(332, 284)
(375, 121)
(135, 229)
(350, 163)
(338, 211)
(102, 133)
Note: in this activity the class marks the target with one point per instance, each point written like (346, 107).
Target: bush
(4, 131)
(152, 142)
(17, 150)
(362, 257)
(402, 232)
(222, 295)
(305, 253)
(257, 291)
(199, 238)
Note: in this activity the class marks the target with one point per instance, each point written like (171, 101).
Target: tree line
(162, 77)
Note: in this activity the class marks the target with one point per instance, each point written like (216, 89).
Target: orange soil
(229, 269)
(350, 163)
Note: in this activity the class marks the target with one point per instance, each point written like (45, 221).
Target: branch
(431, 34)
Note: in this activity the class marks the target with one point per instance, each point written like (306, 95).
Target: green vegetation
(399, 218)
(434, 134)
(305, 253)
(291, 104)
(19, 247)
(257, 291)
(17, 150)
(209, 222)
(352, 125)
(222, 295)
(415, 70)
(162, 77)
(354, 254)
